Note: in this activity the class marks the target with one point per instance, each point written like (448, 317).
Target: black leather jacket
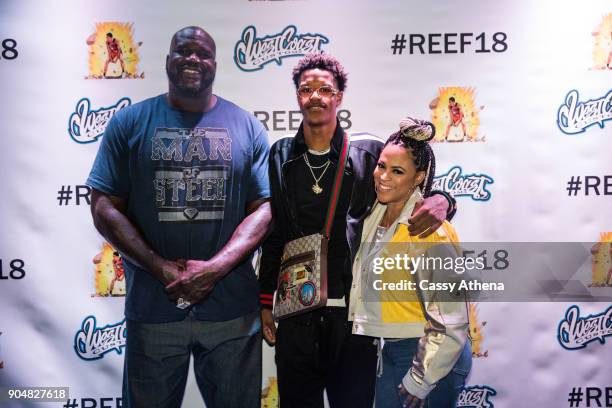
(363, 157)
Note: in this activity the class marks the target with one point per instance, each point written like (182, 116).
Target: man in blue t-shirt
(180, 189)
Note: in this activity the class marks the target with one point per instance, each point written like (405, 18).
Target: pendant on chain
(316, 188)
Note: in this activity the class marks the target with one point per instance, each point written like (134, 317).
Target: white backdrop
(510, 173)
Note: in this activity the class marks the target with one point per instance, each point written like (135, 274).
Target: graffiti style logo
(575, 116)
(576, 332)
(476, 333)
(92, 342)
(252, 53)
(455, 115)
(110, 273)
(476, 396)
(86, 125)
(113, 53)
(601, 255)
(602, 49)
(457, 184)
(269, 395)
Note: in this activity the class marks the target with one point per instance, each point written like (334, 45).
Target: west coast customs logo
(476, 396)
(458, 184)
(575, 332)
(86, 125)
(575, 116)
(252, 53)
(92, 342)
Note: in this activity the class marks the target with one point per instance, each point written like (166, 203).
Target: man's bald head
(192, 32)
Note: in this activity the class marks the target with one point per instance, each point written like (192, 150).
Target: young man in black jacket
(316, 351)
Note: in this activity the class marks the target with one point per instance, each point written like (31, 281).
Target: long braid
(431, 171)
(414, 134)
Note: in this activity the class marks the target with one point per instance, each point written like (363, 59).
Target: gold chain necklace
(316, 188)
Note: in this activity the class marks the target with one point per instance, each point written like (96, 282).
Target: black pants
(316, 351)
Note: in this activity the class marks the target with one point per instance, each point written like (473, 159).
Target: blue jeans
(397, 359)
(227, 362)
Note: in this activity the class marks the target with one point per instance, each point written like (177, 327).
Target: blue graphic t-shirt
(187, 178)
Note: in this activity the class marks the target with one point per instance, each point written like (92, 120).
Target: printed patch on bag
(307, 293)
(284, 287)
(302, 274)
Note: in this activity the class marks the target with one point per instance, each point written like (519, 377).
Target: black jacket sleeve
(272, 248)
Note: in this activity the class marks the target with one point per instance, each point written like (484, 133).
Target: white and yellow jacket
(442, 326)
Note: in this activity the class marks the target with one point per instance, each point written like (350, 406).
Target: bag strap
(337, 186)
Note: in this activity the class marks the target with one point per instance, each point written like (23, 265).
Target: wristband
(452, 203)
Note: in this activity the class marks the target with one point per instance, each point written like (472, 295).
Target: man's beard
(188, 90)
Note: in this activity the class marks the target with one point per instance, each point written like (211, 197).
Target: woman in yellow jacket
(425, 354)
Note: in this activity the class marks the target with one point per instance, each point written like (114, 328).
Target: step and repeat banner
(521, 96)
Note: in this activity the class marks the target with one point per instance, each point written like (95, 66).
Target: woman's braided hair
(414, 134)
